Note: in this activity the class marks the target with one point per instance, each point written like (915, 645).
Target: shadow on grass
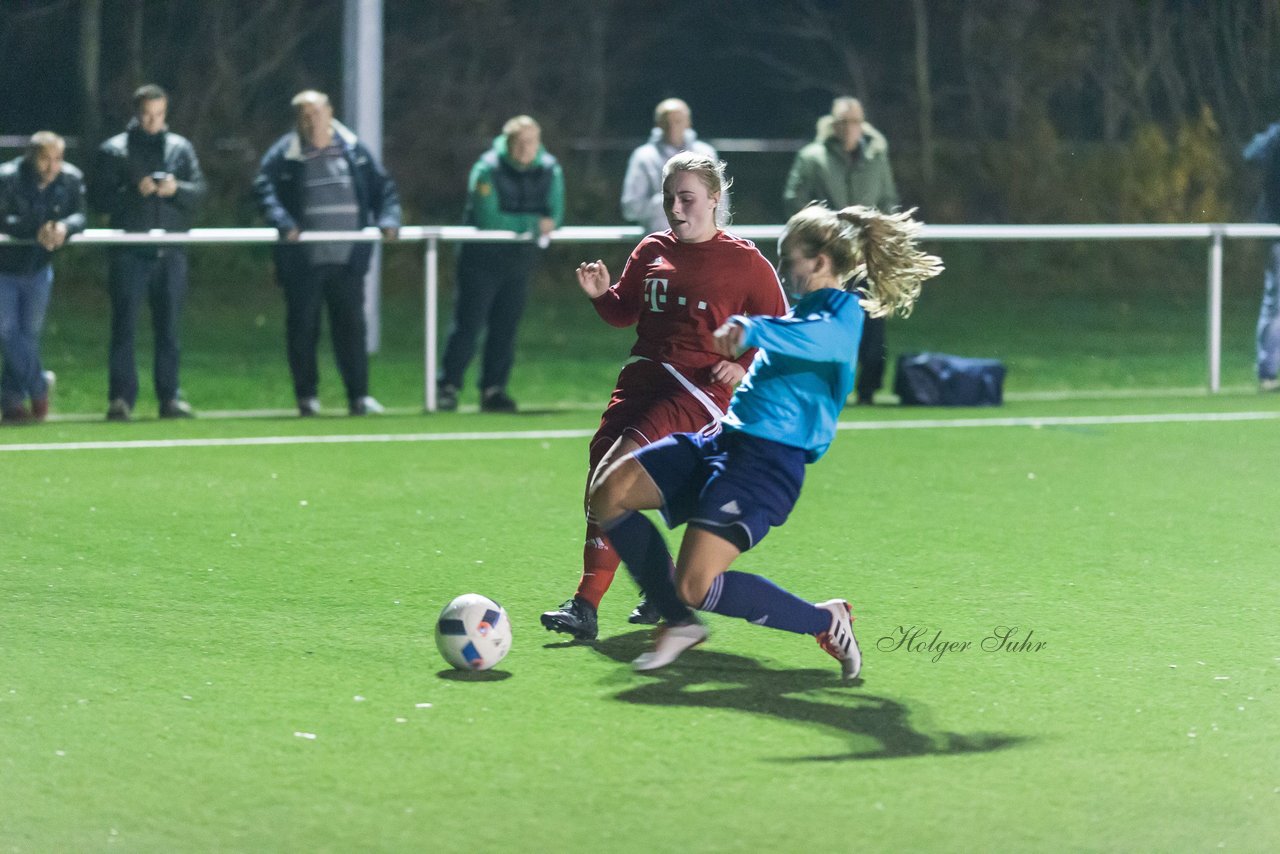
(474, 675)
(718, 680)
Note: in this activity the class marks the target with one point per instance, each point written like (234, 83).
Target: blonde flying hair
(871, 252)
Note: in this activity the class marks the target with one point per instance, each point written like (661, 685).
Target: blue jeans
(24, 299)
(1269, 319)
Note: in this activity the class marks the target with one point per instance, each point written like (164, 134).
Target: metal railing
(431, 237)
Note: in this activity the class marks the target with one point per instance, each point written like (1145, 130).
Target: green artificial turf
(177, 621)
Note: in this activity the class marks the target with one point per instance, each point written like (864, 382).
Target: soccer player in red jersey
(678, 287)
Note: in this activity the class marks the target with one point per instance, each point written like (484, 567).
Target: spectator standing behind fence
(319, 177)
(848, 164)
(1264, 151)
(41, 199)
(514, 186)
(642, 187)
(147, 178)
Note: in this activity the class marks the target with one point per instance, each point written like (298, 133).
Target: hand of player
(727, 340)
(727, 373)
(390, 233)
(147, 186)
(292, 235)
(52, 235)
(593, 278)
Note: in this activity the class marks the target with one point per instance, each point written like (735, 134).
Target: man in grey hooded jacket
(642, 187)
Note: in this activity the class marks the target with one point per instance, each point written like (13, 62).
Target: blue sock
(642, 549)
(758, 600)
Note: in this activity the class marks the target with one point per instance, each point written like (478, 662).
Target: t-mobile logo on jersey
(655, 295)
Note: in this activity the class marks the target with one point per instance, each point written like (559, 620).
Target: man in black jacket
(319, 177)
(41, 199)
(147, 178)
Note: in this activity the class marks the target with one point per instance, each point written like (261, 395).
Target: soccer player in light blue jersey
(732, 487)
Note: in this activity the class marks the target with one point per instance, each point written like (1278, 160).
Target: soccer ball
(473, 632)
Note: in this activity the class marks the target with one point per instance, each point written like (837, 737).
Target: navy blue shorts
(732, 484)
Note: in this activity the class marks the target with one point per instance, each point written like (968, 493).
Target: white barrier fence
(431, 237)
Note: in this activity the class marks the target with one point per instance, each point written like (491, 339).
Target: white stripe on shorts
(698, 394)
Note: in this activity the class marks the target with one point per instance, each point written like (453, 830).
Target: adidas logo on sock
(732, 507)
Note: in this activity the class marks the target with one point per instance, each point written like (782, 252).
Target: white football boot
(669, 643)
(838, 640)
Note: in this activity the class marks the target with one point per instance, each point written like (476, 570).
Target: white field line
(1060, 420)
(594, 406)
(383, 438)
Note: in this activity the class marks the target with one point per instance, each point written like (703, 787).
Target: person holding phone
(147, 179)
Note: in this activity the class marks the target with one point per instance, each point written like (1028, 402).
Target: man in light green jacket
(848, 164)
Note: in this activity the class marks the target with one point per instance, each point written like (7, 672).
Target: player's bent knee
(692, 590)
(607, 500)
(624, 486)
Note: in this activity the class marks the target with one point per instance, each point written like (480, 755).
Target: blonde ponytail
(872, 252)
(891, 260)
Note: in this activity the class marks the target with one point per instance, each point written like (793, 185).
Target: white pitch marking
(385, 438)
(1060, 420)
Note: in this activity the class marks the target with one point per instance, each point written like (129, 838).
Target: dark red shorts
(649, 404)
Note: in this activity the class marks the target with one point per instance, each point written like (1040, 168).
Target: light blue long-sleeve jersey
(803, 372)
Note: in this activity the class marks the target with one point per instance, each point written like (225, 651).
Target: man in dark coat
(319, 177)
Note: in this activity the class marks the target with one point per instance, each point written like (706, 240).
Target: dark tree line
(1000, 110)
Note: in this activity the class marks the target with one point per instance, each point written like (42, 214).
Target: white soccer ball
(473, 632)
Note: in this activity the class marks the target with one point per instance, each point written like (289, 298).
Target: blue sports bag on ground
(937, 379)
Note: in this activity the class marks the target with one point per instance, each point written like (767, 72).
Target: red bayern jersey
(678, 294)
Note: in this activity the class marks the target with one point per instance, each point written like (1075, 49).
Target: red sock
(599, 564)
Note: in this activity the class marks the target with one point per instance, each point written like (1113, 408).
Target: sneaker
(308, 406)
(176, 408)
(496, 400)
(838, 641)
(447, 398)
(576, 617)
(644, 614)
(50, 380)
(371, 406)
(1272, 384)
(40, 408)
(119, 410)
(669, 643)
